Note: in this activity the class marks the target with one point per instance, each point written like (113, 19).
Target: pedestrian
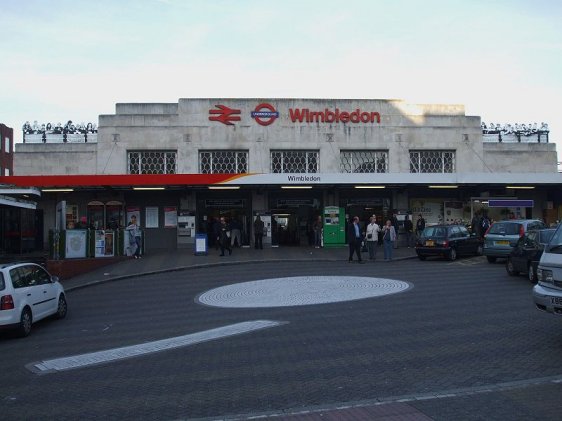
(394, 221)
(258, 233)
(389, 237)
(475, 224)
(354, 239)
(420, 225)
(235, 233)
(317, 227)
(484, 224)
(372, 237)
(224, 237)
(408, 230)
(216, 232)
(135, 237)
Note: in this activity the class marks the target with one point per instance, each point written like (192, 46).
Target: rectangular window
(294, 162)
(364, 161)
(151, 162)
(432, 161)
(223, 162)
(7, 148)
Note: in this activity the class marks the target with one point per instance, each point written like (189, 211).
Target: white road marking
(300, 291)
(115, 354)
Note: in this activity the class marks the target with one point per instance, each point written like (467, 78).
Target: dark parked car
(448, 241)
(525, 256)
(503, 235)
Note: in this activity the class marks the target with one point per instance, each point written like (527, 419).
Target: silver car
(28, 293)
(547, 294)
(502, 236)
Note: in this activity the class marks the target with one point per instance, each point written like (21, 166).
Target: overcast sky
(74, 60)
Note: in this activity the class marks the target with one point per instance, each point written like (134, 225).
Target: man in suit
(354, 239)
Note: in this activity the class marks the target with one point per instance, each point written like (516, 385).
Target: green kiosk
(334, 226)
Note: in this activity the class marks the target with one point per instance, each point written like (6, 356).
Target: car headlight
(545, 276)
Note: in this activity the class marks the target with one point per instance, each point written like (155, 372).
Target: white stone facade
(185, 127)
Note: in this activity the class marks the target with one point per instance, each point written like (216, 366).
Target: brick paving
(464, 343)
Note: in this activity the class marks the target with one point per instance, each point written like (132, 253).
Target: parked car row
(528, 246)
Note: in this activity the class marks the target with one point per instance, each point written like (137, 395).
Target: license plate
(556, 301)
(502, 243)
(430, 243)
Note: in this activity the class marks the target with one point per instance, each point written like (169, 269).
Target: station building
(178, 166)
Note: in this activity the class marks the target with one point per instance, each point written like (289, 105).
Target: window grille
(294, 161)
(432, 161)
(363, 161)
(152, 162)
(223, 162)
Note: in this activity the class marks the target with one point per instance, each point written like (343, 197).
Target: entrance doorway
(294, 226)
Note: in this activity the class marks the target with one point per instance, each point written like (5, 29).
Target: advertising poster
(170, 217)
(109, 244)
(151, 220)
(453, 212)
(104, 243)
(99, 243)
(75, 244)
(429, 209)
(133, 211)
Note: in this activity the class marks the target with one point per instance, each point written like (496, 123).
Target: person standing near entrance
(408, 230)
(372, 237)
(420, 225)
(394, 221)
(317, 227)
(258, 233)
(389, 237)
(224, 237)
(354, 239)
(236, 233)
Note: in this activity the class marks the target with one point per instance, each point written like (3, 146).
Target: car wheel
(24, 328)
(479, 250)
(421, 257)
(453, 255)
(62, 308)
(531, 274)
(509, 268)
(491, 259)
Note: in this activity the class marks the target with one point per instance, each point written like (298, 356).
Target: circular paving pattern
(300, 291)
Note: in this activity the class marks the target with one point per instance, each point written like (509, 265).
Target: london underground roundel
(265, 114)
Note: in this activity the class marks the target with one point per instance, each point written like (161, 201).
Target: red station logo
(224, 115)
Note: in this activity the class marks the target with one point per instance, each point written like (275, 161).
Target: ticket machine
(334, 226)
(186, 229)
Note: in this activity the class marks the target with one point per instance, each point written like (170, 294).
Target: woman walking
(389, 237)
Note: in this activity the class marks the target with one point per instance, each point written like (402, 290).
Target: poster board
(133, 211)
(200, 244)
(151, 217)
(170, 217)
(104, 243)
(75, 244)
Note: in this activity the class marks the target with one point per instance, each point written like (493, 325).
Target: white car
(547, 294)
(28, 293)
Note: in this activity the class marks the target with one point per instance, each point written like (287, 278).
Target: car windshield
(504, 229)
(2, 284)
(555, 244)
(546, 236)
(435, 232)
